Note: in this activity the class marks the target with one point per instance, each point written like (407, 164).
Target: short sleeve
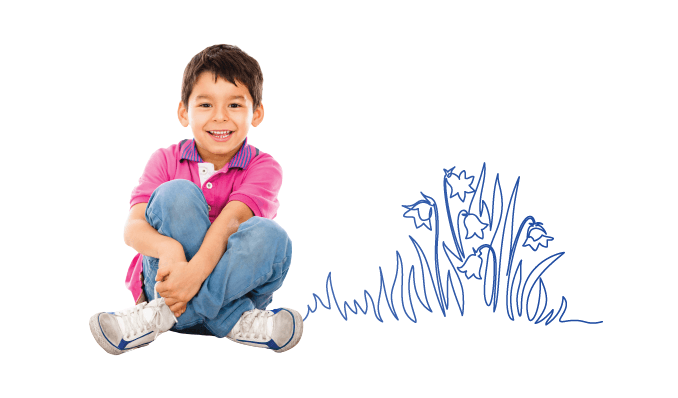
(259, 186)
(155, 173)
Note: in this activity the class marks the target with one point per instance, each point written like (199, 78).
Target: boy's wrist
(201, 266)
(171, 248)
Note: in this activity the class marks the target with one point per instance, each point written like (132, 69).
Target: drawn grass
(474, 244)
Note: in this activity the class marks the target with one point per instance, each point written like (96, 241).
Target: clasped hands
(178, 282)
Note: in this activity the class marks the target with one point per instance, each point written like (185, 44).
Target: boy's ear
(258, 115)
(182, 112)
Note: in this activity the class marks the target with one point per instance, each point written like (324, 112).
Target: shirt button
(209, 185)
(209, 207)
(203, 170)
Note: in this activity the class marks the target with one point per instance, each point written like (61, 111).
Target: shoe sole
(299, 324)
(99, 336)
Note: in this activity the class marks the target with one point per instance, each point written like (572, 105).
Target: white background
(366, 103)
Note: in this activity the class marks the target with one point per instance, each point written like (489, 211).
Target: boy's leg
(177, 209)
(255, 263)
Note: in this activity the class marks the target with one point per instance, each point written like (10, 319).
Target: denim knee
(266, 229)
(176, 199)
(178, 191)
(264, 234)
(271, 227)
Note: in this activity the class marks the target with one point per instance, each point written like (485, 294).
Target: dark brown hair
(229, 63)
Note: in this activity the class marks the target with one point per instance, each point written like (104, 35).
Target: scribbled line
(473, 254)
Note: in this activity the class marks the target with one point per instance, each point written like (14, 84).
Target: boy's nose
(220, 115)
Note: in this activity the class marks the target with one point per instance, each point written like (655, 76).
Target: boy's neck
(219, 161)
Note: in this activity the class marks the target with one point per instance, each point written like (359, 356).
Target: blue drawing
(487, 245)
(474, 227)
(472, 265)
(420, 212)
(536, 236)
(459, 185)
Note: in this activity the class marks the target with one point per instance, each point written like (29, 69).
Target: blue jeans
(254, 265)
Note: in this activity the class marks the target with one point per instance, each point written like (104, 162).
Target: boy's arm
(145, 239)
(180, 282)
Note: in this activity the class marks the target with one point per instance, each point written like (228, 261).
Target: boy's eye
(209, 105)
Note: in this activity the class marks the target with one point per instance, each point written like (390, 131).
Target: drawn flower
(458, 183)
(474, 226)
(536, 236)
(472, 265)
(420, 212)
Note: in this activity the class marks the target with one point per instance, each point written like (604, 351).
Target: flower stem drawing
(474, 228)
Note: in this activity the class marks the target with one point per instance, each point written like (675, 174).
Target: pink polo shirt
(251, 177)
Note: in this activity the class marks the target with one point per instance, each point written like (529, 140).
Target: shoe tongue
(148, 313)
(126, 314)
(255, 323)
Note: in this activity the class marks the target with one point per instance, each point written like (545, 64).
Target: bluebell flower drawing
(420, 212)
(498, 270)
(472, 265)
(458, 183)
(536, 236)
(474, 226)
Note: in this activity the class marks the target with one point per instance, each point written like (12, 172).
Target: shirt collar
(240, 160)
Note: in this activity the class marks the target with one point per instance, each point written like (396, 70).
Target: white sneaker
(278, 330)
(119, 332)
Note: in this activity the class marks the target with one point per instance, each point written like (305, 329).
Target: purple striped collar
(241, 159)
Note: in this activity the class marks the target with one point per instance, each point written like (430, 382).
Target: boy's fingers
(160, 287)
(170, 302)
(177, 307)
(162, 273)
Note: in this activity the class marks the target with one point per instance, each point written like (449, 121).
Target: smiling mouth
(220, 133)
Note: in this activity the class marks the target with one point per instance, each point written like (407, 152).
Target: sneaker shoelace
(253, 324)
(135, 322)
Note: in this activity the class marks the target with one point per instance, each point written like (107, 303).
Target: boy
(200, 220)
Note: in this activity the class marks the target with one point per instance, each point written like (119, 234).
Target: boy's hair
(229, 63)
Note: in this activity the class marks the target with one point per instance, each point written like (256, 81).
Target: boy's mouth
(220, 135)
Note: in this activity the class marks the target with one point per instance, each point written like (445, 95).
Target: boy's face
(220, 115)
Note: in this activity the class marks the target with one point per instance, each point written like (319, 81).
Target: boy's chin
(218, 148)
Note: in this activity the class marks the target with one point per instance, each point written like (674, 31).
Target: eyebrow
(240, 97)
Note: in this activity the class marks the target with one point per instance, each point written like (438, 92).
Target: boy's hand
(179, 283)
(172, 261)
